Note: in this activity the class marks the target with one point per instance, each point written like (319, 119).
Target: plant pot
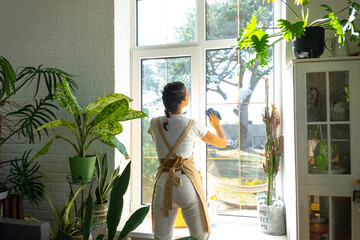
(80, 237)
(82, 168)
(4, 194)
(101, 210)
(272, 218)
(311, 45)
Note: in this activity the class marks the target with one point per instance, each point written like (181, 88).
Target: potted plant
(272, 219)
(24, 181)
(104, 185)
(260, 40)
(100, 120)
(120, 186)
(21, 119)
(64, 217)
(3, 191)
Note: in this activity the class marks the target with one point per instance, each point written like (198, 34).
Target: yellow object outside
(180, 222)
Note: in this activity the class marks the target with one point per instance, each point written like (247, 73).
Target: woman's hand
(214, 121)
(218, 140)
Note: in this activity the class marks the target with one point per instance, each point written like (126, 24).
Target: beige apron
(187, 166)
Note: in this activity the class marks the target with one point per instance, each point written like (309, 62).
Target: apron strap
(178, 143)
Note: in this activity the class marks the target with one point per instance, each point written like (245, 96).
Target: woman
(178, 183)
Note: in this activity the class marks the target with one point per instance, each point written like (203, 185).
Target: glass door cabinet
(327, 147)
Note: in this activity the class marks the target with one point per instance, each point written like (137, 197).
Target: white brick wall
(76, 36)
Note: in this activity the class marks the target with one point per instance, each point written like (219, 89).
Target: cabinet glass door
(325, 211)
(328, 126)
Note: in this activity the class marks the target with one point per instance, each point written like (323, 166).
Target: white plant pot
(272, 218)
(3, 195)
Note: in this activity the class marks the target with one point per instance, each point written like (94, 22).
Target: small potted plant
(99, 121)
(260, 40)
(105, 183)
(272, 219)
(116, 204)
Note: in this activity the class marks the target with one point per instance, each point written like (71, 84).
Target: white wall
(76, 36)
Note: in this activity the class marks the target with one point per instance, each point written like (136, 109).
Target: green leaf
(100, 237)
(111, 113)
(188, 238)
(45, 148)
(302, 2)
(260, 45)
(245, 41)
(116, 201)
(88, 217)
(101, 102)
(58, 123)
(291, 30)
(133, 114)
(112, 141)
(60, 235)
(105, 128)
(68, 101)
(7, 77)
(134, 221)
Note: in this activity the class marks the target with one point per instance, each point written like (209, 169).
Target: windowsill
(229, 228)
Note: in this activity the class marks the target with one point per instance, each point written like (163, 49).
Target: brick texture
(76, 36)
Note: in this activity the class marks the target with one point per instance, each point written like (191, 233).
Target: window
(193, 44)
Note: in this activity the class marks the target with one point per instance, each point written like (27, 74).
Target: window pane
(236, 172)
(156, 73)
(223, 17)
(164, 21)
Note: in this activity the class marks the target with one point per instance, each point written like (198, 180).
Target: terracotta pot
(80, 237)
(101, 210)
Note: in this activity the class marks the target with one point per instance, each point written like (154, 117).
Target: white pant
(184, 197)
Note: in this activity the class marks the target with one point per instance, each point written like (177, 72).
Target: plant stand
(73, 186)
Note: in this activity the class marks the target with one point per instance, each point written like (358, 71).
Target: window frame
(197, 52)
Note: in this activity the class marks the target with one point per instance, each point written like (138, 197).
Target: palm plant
(23, 120)
(25, 179)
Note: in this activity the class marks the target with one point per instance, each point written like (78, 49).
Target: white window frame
(197, 52)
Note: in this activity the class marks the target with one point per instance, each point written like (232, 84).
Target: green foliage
(26, 179)
(253, 182)
(116, 206)
(289, 31)
(100, 120)
(104, 182)
(25, 119)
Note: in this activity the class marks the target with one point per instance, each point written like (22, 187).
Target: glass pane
(317, 149)
(224, 16)
(156, 73)
(341, 208)
(339, 98)
(236, 172)
(340, 149)
(319, 217)
(222, 79)
(164, 22)
(316, 96)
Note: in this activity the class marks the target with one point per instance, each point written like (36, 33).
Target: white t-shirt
(177, 125)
